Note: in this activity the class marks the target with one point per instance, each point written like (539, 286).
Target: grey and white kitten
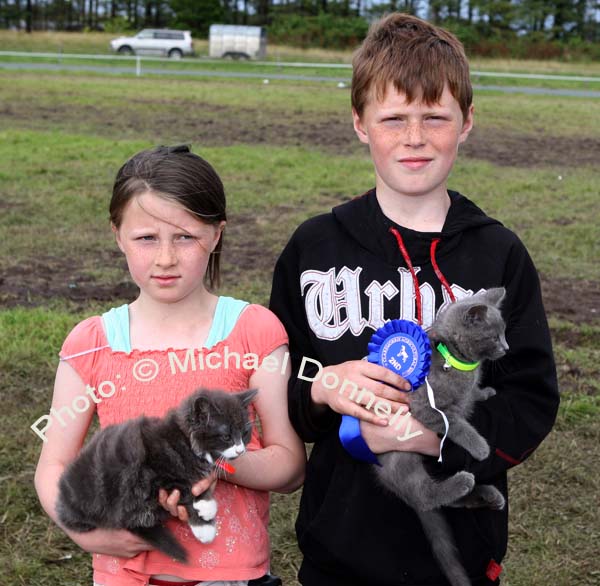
(473, 330)
(114, 481)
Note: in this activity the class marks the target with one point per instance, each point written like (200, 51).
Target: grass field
(285, 152)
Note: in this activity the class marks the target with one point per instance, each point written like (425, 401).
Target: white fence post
(138, 65)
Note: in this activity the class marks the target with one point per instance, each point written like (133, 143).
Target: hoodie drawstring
(444, 282)
(436, 268)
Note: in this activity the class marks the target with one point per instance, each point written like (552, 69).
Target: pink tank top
(150, 382)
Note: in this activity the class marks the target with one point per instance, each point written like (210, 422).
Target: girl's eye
(185, 237)
(146, 238)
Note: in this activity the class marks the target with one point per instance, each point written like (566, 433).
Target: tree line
(333, 23)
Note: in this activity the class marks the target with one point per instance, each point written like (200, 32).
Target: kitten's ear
(247, 396)
(201, 409)
(496, 295)
(475, 313)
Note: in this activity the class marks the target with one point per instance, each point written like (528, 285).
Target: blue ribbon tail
(353, 441)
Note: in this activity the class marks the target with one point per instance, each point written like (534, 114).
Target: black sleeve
(287, 304)
(518, 418)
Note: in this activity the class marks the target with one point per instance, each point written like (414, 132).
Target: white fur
(204, 533)
(234, 451)
(207, 510)
(208, 458)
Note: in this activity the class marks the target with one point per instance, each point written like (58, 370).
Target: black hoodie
(340, 277)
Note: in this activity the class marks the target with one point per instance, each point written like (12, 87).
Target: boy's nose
(414, 134)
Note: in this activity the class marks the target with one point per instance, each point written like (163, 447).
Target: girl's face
(166, 247)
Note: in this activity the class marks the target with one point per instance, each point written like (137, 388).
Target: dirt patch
(210, 125)
(249, 258)
(36, 281)
(525, 150)
(574, 300)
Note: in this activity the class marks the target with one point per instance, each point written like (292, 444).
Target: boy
(403, 250)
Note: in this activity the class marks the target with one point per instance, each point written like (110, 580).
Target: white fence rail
(280, 64)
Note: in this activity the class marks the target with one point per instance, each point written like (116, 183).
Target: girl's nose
(166, 255)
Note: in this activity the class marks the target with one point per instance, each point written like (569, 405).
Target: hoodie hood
(363, 219)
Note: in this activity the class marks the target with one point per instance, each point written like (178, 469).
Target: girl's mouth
(165, 279)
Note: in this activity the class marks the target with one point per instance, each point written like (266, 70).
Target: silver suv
(163, 42)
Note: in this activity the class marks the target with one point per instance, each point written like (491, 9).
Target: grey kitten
(114, 481)
(473, 330)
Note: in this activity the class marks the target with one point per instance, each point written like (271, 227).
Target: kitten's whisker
(220, 465)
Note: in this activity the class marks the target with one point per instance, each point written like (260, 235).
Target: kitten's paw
(483, 495)
(204, 533)
(486, 393)
(492, 497)
(207, 510)
(464, 482)
(479, 449)
(452, 490)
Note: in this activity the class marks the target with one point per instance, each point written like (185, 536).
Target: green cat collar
(455, 362)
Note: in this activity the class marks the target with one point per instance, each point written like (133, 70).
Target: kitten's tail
(441, 539)
(161, 538)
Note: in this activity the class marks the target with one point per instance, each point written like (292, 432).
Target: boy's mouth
(415, 162)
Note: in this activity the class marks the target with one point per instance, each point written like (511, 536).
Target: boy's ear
(359, 127)
(117, 236)
(467, 125)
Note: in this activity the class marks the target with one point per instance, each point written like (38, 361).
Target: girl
(168, 214)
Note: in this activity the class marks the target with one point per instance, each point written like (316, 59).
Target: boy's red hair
(417, 57)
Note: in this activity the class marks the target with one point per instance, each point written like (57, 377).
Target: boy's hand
(115, 542)
(382, 382)
(404, 435)
(170, 501)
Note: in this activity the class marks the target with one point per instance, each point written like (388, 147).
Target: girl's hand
(115, 542)
(386, 388)
(406, 434)
(170, 501)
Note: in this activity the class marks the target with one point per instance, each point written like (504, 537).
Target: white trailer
(237, 42)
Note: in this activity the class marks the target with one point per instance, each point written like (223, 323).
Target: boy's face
(413, 146)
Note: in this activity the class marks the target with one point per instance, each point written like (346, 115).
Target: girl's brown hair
(180, 176)
(416, 57)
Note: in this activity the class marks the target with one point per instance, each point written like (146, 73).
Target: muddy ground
(210, 125)
(36, 281)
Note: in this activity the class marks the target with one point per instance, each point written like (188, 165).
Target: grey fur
(473, 330)
(114, 481)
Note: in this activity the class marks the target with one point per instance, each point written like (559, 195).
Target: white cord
(432, 403)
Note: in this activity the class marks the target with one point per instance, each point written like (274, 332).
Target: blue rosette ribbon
(403, 347)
